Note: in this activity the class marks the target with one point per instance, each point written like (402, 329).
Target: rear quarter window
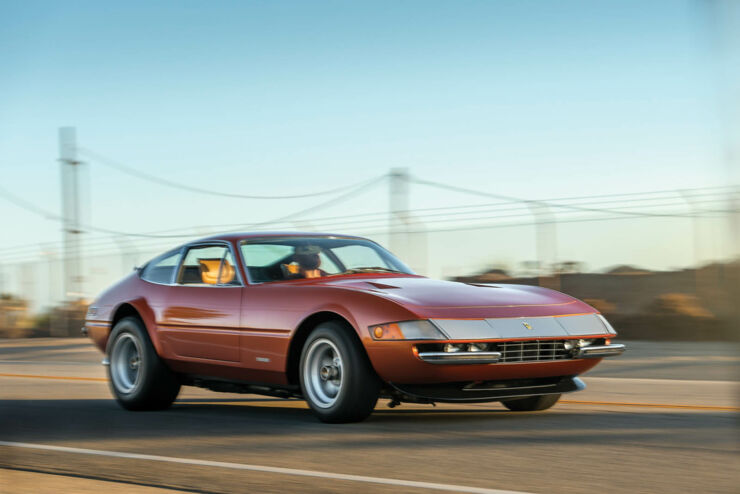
(161, 270)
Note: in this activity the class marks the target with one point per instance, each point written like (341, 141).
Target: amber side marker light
(388, 332)
(407, 330)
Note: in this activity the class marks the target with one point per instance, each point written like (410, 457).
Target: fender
(150, 322)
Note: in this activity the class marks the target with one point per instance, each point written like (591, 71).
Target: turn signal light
(406, 330)
(387, 332)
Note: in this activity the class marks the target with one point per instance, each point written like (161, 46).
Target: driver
(307, 262)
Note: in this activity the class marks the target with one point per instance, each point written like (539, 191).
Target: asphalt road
(663, 417)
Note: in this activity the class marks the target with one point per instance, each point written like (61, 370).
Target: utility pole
(399, 207)
(70, 174)
(545, 244)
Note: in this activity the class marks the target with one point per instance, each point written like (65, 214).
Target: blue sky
(528, 98)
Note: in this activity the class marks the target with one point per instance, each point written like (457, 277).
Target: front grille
(532, 350)
(516, 351)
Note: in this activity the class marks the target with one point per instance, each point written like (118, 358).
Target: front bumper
(399, 362)
(601, 351)
(460, 357)
(597, 351)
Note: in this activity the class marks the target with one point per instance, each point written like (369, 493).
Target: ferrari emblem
(527, 325)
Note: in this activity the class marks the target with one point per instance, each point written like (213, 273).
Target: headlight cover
(609, 327)
(406, 330)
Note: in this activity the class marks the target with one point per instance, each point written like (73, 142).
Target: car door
(202, 310)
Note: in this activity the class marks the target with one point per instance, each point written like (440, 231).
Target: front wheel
(336, 377)
(138, 378)
(531, 404)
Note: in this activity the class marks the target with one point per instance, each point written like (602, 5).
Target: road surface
(663, 417)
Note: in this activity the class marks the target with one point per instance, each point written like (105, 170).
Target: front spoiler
(484, 391)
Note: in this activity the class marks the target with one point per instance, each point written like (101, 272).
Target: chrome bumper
(600, 351)
(460, 357)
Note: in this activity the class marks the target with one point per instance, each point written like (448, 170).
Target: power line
(458, 224)
(23, 204)
(501, 225)
(574, 207)
(426, 215)
(100, 159)
(353, 192)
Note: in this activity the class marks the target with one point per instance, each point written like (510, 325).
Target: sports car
(338, 321)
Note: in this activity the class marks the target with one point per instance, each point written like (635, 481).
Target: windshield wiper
(371, 269)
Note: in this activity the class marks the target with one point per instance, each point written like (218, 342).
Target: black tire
(136, 375)
(532, 403)
(354, 397)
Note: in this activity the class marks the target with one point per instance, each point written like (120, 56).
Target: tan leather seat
(209, 271)
(227, 273)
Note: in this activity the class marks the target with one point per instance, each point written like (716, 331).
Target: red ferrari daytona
(340, 322)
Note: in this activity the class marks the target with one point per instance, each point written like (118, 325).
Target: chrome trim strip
(460, 357)
(601, 351)
(102, 324)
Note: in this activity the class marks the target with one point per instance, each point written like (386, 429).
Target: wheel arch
(140, 310)
(302, 332)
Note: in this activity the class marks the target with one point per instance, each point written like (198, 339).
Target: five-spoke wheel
(138, 377)
(125, 359)
(336, 377)
(323, 370)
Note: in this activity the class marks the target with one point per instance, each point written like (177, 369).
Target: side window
(208, 265)
(161, 270)
(263, 261)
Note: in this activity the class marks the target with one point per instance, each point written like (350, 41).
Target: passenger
(306, 263)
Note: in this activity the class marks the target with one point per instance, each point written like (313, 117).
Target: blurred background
(591, 147)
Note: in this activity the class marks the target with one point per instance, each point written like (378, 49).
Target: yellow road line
(650, 405)
(268, 404)
(289, 404)
(60, 378)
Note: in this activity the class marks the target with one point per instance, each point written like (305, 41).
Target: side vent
(382, 286)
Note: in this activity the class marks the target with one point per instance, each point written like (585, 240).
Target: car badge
(527, 325)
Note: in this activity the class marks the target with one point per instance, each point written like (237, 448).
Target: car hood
(437, 298)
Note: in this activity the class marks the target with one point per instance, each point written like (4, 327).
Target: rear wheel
(336, 377)
(138, 378)
(532, 403)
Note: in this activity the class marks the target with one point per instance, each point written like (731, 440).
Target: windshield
(286, 258)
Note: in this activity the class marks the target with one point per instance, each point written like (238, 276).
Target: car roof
(236, 236)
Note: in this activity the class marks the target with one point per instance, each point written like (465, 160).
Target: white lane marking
(262, 468)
